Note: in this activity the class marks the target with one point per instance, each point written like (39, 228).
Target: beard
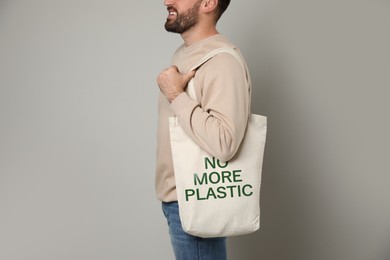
(185, 21)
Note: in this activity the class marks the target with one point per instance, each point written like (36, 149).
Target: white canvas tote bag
(219, 199)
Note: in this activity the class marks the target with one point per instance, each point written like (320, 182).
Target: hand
(172, 83)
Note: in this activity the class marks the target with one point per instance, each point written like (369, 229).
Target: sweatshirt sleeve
(217, 123)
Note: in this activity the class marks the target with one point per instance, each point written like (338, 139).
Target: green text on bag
(230, 179)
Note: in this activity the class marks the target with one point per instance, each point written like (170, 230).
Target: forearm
(218, 132)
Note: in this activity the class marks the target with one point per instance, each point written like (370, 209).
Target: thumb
(188, 76)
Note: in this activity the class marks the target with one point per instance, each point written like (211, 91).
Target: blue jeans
(188, 247)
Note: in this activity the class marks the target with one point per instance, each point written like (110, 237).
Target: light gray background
(78, 105)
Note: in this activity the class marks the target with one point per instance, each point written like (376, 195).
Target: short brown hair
(221, 8)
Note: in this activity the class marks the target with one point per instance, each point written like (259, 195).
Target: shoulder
(225, 64)
(222, 74)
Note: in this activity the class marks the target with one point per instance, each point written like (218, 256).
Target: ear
(209, 6)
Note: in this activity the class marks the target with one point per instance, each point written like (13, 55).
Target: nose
(168, 2)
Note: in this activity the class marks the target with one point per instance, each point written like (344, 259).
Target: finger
(175, 68)
(188, 76)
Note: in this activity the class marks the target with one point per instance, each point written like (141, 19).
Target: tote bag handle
(191, 87)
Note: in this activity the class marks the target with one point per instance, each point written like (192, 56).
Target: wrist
(174, 96)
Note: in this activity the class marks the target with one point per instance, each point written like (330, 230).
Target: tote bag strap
(191, 88)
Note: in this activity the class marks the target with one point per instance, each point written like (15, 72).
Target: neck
(198, 33)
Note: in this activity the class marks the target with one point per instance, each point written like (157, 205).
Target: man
(216, 121)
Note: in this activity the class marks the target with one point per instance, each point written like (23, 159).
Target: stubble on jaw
(185, 21)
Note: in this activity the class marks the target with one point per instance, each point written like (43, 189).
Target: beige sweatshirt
(216, 121)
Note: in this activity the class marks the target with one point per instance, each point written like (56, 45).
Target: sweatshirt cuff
(183, 104)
